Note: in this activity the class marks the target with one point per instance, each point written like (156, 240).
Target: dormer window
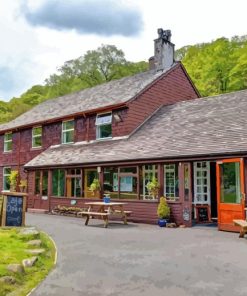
(37, 137)
(68, 132)
(8, 142)
(103, 126)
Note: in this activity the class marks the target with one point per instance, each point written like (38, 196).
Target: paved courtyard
(138, 259)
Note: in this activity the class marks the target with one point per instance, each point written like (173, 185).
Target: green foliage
(13, 179)
(217, 67)
(153, 187)
(95, 185)
(95, 67)
(163, 210)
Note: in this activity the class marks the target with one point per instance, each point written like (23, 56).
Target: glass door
(230, 192)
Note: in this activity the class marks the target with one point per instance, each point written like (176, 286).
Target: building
(125, 132)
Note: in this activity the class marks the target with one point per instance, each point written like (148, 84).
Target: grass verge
(13, 248)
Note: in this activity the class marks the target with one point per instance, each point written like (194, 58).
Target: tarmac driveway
(138, 259)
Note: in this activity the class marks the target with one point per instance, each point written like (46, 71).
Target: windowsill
(67, 143)
(36, 148)
(102, 139)
(10, 151)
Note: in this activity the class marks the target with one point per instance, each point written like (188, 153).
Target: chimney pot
(163, 50)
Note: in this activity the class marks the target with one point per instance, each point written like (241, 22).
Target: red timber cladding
(23, 152)
(172, 88)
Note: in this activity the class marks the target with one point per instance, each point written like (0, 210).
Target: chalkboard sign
(14, 210)
(203, 214)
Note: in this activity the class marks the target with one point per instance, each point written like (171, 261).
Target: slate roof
(106, 94)
(207, 126)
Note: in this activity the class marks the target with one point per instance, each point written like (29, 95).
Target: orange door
(230, 192)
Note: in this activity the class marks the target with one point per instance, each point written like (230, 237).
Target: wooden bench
(103, 215)
(243, 226)
(127, 213)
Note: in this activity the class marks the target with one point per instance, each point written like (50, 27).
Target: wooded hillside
(216, 67)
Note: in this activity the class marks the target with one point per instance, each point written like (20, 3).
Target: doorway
(205, 193)
(230, 192)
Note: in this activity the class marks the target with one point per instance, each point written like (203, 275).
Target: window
(147, 173)
(121, 182)
(104, 126)
(73, 183)
(41, 183)
(8, 142)
(68, 132)
(44, 183)
(202, 182)
(37, 137)
(6, 181)
(171, 180)
(58, 182)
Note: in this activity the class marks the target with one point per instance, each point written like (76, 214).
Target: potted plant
(107, 198)
(95, 187)
(23, 185)
(153, 188)
(13, 180)
(163, 212)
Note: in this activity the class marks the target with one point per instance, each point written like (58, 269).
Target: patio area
(138, 259)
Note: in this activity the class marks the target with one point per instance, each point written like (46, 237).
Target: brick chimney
(163, 51)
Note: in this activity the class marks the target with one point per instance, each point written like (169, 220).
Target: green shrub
(163, 210)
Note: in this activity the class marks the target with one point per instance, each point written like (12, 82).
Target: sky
(38, 36)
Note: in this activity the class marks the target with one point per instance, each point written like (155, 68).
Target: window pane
(45, 183)
(58, 182)
(230, 182)
(37, 131)
(67, 125)
(37, 182)
(68, 137)
(103, 119)
(147, 173)
(8, 137)
(171, 182)
(111, 182)
(6, 181)
(104, 131)
(37, 141)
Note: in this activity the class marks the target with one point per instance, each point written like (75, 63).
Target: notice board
(14, 206)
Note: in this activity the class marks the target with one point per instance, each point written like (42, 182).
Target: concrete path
(140, 260)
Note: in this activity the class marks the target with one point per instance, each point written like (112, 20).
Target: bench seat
(94, 213)
(243, 226)
(125, 212)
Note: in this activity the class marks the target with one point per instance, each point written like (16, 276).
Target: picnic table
(103, 210)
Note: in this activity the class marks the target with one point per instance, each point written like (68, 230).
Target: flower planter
(162, 222)
(107, 199)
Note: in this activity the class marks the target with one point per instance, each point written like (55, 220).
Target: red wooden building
(125, 132)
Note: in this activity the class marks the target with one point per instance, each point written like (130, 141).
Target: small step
(37, 211)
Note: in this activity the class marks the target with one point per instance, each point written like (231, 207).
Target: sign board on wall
(14, 206)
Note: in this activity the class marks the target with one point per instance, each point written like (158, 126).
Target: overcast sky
(37, 36)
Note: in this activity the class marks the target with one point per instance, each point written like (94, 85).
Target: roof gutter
(184, 158)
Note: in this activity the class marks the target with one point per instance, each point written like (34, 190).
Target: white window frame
(202, 170)
(5, 175)
(172, 170)
(36, 136)
(67, 130)
(98, 125)
(8, 141)
(148, 172)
